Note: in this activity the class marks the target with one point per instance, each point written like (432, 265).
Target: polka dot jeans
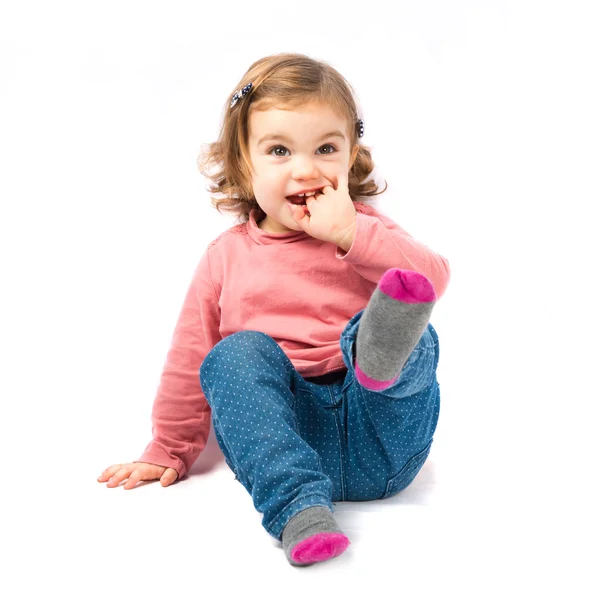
(294, 444)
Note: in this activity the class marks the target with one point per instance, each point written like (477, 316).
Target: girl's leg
(249, 384)
(390, 431)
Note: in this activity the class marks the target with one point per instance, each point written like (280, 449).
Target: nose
(304, 168)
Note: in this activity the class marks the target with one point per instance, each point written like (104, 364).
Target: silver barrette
(361, 128)
(239, 94)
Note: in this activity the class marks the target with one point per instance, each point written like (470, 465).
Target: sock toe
(319, 547)
(408, 286)
(312, 535)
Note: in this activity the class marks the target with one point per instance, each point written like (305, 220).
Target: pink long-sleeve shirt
(299, 290)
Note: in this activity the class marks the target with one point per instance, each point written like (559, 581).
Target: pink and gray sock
(312, 536)
(390, 327)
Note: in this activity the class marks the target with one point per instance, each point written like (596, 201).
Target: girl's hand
(330, 216)
(135, 472)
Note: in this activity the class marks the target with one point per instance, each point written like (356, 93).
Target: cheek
(267, 183)
(331, 170)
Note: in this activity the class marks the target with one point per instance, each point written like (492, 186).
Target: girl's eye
(329, 146)
(275, 148)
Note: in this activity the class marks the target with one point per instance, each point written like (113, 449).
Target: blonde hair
(282, 80)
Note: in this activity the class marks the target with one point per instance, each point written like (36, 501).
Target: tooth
(313, 193)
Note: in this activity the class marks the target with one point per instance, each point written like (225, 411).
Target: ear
(353, 155)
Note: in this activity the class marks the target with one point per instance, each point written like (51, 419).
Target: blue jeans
(294, 444)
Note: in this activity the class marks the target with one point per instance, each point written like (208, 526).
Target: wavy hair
(287, 80)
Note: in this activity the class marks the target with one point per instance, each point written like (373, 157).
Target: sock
(311, 536)
(391, 326)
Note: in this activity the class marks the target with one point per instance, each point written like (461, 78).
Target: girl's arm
(180, 415)
(381, 244)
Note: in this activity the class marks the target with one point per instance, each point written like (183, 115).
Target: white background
(482, 117)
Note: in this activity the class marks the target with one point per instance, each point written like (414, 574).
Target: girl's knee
(241, 348)
(240, 343)
(245, 339)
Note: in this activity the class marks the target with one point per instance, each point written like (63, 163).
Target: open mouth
(301, 200)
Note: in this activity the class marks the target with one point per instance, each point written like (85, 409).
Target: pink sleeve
(381, 244)
(181, 416)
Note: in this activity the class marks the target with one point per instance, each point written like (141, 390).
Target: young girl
(304, 336)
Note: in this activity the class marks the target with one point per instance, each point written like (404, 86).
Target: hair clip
(239, 94)
(361, 128)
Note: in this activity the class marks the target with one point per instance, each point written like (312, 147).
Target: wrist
(346, 238)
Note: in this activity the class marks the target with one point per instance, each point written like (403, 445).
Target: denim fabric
(294, 444)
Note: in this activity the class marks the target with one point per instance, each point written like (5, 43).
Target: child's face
(299, 157)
